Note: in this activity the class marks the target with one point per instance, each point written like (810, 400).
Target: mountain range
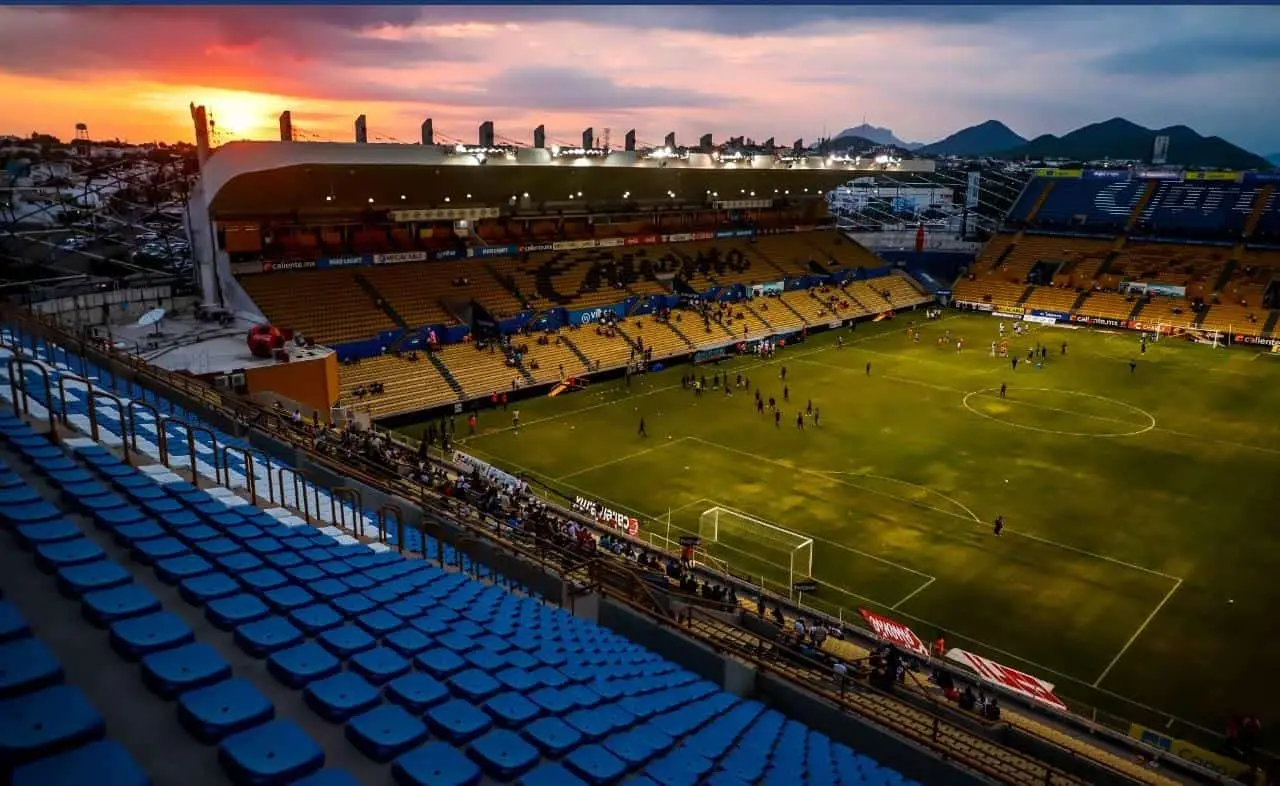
(1116, 139)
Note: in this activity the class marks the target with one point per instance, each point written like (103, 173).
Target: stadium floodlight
(755, 544)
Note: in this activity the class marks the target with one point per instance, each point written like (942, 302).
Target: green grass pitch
(1141, 515)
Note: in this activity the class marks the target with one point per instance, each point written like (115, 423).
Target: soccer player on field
(777, 418)
(643, 433)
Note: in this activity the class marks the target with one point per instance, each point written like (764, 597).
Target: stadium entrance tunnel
(1066, 413)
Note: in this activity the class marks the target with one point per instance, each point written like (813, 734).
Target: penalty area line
(913, 593)
(1137, 633)
(621, 459)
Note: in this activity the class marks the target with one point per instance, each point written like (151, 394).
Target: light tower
(81, 143)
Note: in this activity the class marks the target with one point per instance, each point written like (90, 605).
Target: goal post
(756, 547)
(1216, 339)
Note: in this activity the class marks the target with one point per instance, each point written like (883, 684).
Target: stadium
(723, 464)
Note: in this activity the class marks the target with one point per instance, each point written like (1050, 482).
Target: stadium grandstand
(1167, 252)
(214, 527)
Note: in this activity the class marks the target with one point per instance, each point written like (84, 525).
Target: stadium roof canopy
(259, 180)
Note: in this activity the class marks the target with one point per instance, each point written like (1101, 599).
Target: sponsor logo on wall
(607, 515)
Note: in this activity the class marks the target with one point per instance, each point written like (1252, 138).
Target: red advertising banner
(895, 633)
(1032, 688)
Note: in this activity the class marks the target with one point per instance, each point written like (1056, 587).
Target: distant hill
(1274, 158)
(1121, 139)
(857, 145)
(982, 139)
(878, 135)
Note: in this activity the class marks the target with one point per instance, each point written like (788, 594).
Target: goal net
(1213, 338)
(775, 555)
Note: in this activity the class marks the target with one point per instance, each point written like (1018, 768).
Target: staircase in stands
(1143, 201)
(380, 301)
(448, 375)
(568, 342)
(1039, 203)
(1259, 203)
(1269, 327)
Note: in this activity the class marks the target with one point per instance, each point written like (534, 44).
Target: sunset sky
(783, 71)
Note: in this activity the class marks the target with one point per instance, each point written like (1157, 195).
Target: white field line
(849, 549)
(913, 593)
(1136, 634)
(952, 514)
(1029, 405)
(782, 359)
(636, 454)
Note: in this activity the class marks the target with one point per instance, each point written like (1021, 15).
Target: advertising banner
(245, 268)
(1150, 174)
(683, 237)
(341, 262)
(976, 305)
(1056, 316)
(1153, 288)
(730, 233)
(973, 190)
(534, 248)
(1259, 178)
(769, 288)
(483, 252)
(643, 240)
(1222, 177)
(487, 470)
(1013, 313)
(1258, 341)
(1188, 752)
(572, 245)
(1010, 679)
(1059, 173)
(587, 316)
(895, 633)
(289, 264)
(1114, 175)
(1085, 319)
(703, 236)
(446, 254)
(607, 515)
(1039, 320)
(611, 242)
(399, 259)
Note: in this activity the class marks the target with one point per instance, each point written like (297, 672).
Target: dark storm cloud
(223, 42)
(1187, 56)
(568, 89)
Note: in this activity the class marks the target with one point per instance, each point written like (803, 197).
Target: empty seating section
(819, 308)
(1197, 207)
(828, 247)
(1194, 267)
(50, 732)
(656, 335)
(327, 306)
(783, 255)
(550, 359)
(1171, 311)
(480, 372)
(1108, 305)
(773, 310)
(408, 385)
(1089, 203)
(586, 278)
(1052, 299)
(436, 677)
(608, 351)
(418, 292)
(1235, 319)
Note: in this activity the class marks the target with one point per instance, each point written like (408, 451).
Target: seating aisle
(290, 647)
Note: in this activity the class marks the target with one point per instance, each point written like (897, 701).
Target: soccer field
(1139, 506)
